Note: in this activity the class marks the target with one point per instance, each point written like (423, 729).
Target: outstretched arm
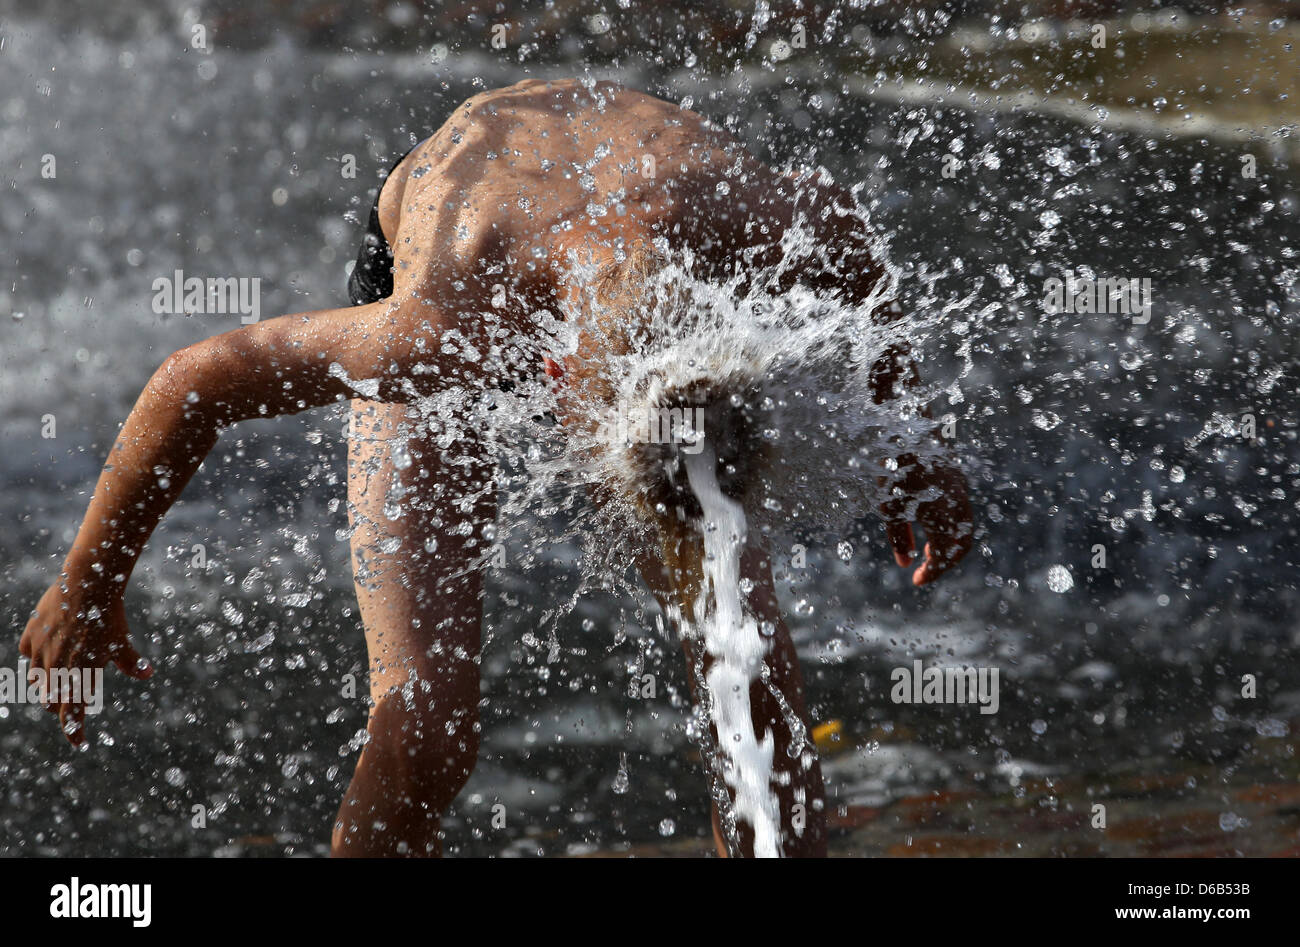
(935, 493)
(276, 367)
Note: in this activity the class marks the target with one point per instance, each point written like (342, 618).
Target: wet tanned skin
(497, 196)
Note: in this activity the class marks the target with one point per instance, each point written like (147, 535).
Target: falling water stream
(731, 638)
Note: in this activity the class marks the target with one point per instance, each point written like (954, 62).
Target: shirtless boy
(496, 197)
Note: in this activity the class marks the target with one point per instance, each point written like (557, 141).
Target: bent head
(619, 387)
(712, 415)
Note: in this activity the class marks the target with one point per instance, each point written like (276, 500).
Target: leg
(674, 579)
(421, 605)
(799, 780)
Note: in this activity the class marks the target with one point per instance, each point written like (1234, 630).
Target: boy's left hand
(946, 518)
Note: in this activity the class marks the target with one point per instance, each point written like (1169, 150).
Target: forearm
(162, 443)
(174, 424)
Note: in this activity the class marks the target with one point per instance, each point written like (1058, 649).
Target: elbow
(195, 381)
(175, 377)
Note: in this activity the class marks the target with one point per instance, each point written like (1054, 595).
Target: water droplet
(621, 779)
(1059, 579)
(1046, 420)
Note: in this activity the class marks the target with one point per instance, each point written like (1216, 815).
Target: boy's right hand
(76, 627)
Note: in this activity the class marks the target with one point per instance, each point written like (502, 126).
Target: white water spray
(732, 640)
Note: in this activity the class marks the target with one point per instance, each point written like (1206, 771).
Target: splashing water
(774, 428)
(779, 432)
(779, 383)
(732, 639)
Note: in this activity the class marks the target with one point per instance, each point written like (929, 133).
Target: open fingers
(56, 668)
(72, 713)
(949, 533)
(944, 512)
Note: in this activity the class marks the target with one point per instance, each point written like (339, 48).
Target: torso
(519, 177)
